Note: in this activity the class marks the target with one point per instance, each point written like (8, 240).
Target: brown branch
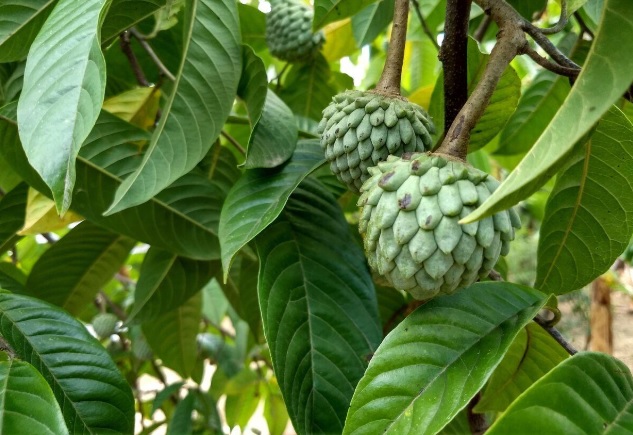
(126, 47)
(150, 52)
(547, 45)
(423, 23)
(389, 83)
(553, 332)
(481, 30)
(453, 56)
(549, 65)
(477, 422)
(562, 21)
(583, 25)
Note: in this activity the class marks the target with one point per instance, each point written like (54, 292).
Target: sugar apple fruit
(409, 222)
(289, 31)
(360, 129)
(104, 324)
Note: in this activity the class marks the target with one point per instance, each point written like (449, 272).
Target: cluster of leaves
(219, 247)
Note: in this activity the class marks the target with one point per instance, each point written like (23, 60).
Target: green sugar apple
(289, 31)
(104, 324)
(409, 222)
(360, 129)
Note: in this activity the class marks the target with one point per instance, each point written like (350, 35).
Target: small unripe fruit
(104, 324)
(289, 31)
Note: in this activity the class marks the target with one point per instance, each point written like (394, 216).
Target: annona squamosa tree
(325, 207)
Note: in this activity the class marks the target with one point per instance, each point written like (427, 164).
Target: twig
(389, 83)
(131, 57)
(481, 30)
(477, 422)
(424, 24)
(453, 56)
(553, 332)
(49, 238)
(549, 65)
(583, 25)
(495, 276)
(148, 49)
(562, 21)
(117, 310)
(233, 141)
(14, 254)
(280, 75)
(548, 46)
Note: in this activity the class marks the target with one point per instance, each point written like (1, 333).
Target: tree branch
(454, 58)
(389, 83)
(131, 57)
(553, 332)
(562, 21)
(481, 30)
(549, 65)
(234, 142)
(477, 422)
(150, 52)
(425, 26)
(583, 25)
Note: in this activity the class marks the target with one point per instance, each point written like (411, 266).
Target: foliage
(176, 256)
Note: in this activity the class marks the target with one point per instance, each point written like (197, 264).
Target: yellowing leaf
(136, 106)
(422, 96)
(42, 217)
(339, 40)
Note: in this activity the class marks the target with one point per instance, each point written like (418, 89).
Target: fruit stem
(389, 83)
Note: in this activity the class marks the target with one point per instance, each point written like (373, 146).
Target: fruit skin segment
(289, 31)
(360, 129)
(410, 212)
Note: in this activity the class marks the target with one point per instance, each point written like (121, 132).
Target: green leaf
(318, 308)
(589, 214)
(590, 393)
(72, 271)
(606, 74)
(181, 420)
(64, 85)
(92, 394)
(198, 106)
(253, 84)
(166, 282)
(307, 89)
(253, 24)
(502, 104)
(242, 404)
(11, 278)
(258, 197)
(430, 366)
(163, 395)
(28, 404)
(528, 8)
(328, 11)
(172, 336)
(275, 412)
(184, 217)
(20, 20)
(12, 215)
(372, 21)
(124, 14)
(532, 354)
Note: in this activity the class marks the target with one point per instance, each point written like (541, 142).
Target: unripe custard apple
(289, 33)
(410, 208)
(360, 129)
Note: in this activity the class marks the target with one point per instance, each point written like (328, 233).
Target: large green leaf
(590, 393)
(307, 89)
(532, 354)
(589, 214)
(201, 100)
(27, 404)
(20, 20)
(124, 14)
(64, 85)
(431, 365)
(528, 8)
(371, 21)
(182, 219)
(328, 11)
(11, 278)
(502, 104)
(172, 336)
(253, 24)
(258, 197)
(72, 271)
(167, 281)
(318, 308)
(12, 214)
(92, 394)
(606, 74)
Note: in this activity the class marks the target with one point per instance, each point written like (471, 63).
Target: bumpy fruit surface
(104, 324)
(360, 129)
(409, 223)
(289, 31)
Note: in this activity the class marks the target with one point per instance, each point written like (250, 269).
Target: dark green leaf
(253, 24)
(181, 420)
(72, 271)
(372, 21)
(12, 214)
(590, 393)
(124, 14)
(431, 365)
(606, 74)
(328, 11)
(182, 223)
(589, 214)
(172, 336)
(28, 404)
(532, 354)
(528, 8)
(259, 196)
(198, 106)
(64, 84)
(11, 278)
(166, 282)
(92, 394)
(318, 308)
(20, 20)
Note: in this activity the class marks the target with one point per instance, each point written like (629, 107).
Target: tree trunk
(601, 333)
